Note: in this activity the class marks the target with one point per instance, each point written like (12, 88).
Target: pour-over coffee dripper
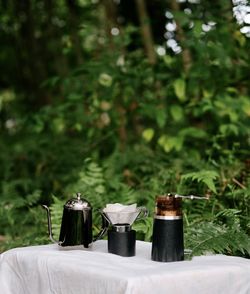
(121, 237)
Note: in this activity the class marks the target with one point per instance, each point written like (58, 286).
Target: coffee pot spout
(49, 225)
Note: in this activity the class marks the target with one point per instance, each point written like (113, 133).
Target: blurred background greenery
(123, 100)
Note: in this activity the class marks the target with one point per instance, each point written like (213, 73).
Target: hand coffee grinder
(168, 240)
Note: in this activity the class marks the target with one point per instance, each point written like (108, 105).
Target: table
(47, 269)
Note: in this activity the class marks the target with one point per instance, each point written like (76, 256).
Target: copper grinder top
(168, 206)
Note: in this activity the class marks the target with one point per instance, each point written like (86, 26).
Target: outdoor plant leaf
(180, 89)
(206, 177)
(148, 134)
(176, 112)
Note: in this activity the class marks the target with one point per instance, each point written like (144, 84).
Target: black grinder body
(167, 239)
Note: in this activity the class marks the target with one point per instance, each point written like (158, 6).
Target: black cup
(121, 240)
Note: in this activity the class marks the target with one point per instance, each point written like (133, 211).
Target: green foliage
(209, 237)
(56, 211)
(216, 237)
(212, 227)
(180, 89)
(17, 214)
(206, 177)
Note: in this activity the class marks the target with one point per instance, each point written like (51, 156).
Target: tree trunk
(73, 24)
(146, 31)
(186, 55)
(110, 20)
(31, 61)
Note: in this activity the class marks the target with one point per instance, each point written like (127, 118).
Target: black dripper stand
(121, 237)
(121, 240)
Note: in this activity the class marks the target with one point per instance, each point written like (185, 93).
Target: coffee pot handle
(143, 213)
(105, 225)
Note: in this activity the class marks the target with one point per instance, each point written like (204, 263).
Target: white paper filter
(121, 214)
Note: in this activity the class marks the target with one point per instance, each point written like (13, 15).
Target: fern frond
(91, 183)
(56, 215)
(206, 177)
(211, 237)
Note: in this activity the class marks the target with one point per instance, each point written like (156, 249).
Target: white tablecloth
(50, 270)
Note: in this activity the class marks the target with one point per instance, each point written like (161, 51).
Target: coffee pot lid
(77, 203)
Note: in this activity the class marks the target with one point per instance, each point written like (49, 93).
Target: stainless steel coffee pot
(76, 224)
